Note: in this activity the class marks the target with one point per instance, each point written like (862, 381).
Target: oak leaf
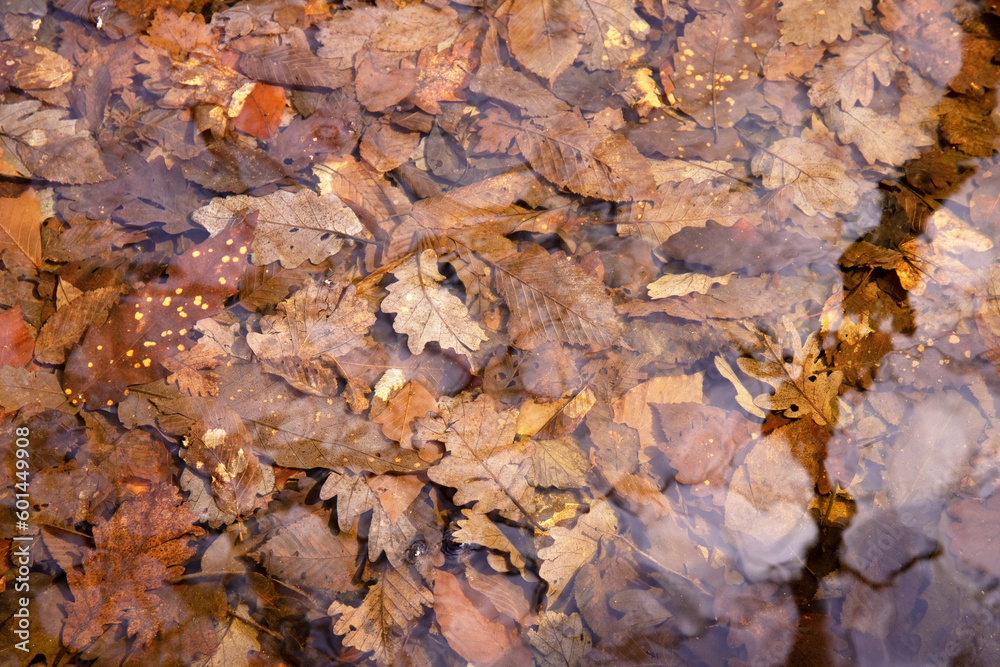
(389, 612)
(690, 202)
(312, 330)
(484, 462)
(813, 23)
(611, 32)
(679, 284)
(291, 228)
(574, 547)
(879, 137)
(820, 182)
(121, 581)
(478, 528)
(850, 77)
(426, 311)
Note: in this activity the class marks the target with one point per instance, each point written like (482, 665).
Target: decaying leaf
(820, 183)
(806, 22)
(291, 228)
(574, 547)
(426, 311)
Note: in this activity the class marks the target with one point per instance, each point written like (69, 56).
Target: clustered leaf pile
(500, 332)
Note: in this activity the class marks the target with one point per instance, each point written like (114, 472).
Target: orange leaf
(20, 226)
(16, 344)
(262, 112)
(410, 403)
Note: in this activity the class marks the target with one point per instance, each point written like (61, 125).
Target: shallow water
(547, 331)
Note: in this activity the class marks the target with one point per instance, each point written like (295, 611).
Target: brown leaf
(184, 369)
(850, 76)
(291, 228)
(559, 639)
(974, 532)
(550, 298)
(512, 87)
(820, 182)
(473, 635)
(715, 70)
(69, 322)
(813, 23)
(43, 143)
(584, 159)
(16, 344)
(406, 406)
(385, 618)
(120, 581)
(541, 35)
(426, 311)
(262, 112)
(574, 547)
(612, 33)
(152, 324)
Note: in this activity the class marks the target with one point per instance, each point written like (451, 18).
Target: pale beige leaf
(767, 507)
(559, 640)
(574, 547)
(680, 284)
(814, 22)
(850, 76)
(879, 137)
(688, 203)
(291, 228)
(820, 183)
(238, 638)
(559, 463)
(477, 528)
(426, 311)
(633, 408)
(743, 396)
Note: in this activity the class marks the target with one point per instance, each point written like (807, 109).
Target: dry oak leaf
(16, 344)
(41, 143)
(291, 228)
(288, 429)
(185, 369)
(20, 227)
(152, 324)
(975, 532)
(559, 463)
(715, 70)
(137, 551)
(680, 284)
(688, 203)
(484, 462)
(879, 137)
(473, 632)
(387, 497)
(542, 35)
(389, 612)
(478, 528)
(807, 386)
(574, 547)
(408, 404)
(551, 298)
(444, 75)
(314, 327)
(298, 547)
(588, 160)
(426, 311)
(820, 182)
(612, 31)
(850, 77)
(814, 22)
(559, 640)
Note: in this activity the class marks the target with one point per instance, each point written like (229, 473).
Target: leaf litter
(502, 332)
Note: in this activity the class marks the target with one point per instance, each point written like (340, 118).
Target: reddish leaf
(16, 345)
(262, 112)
